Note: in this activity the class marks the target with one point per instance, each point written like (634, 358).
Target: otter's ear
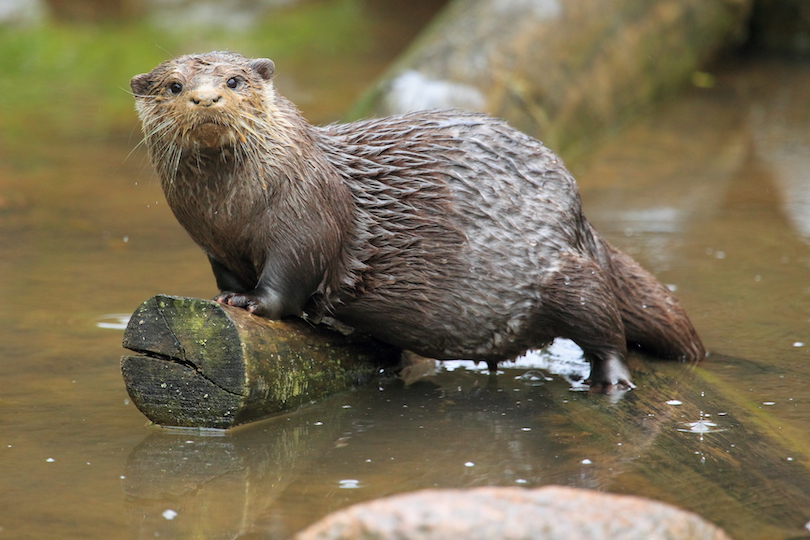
(140, 84)
(264, 67)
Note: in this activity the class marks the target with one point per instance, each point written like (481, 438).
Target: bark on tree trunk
(558, 70)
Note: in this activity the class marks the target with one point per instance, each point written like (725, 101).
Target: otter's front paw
(244, 301)
(264, 303)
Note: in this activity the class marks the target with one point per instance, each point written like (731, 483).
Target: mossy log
(202, 364)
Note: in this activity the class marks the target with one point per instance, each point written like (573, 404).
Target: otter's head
(204, 101)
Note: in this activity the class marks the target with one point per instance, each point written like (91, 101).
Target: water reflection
(459, 429)
(213, 483)
(782, 141)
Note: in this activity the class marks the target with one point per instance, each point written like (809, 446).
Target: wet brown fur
(447, 233)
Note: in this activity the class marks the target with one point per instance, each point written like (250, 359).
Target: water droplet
(769, 403)
(169, 514)
(533, 377)
(798, 344)
(469, 464)
(674, 402)
(50, 460)
(586, 461)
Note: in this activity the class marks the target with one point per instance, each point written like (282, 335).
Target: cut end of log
(173, 394)
(204, 365)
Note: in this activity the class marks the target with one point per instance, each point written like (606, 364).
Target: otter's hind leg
(579, 305)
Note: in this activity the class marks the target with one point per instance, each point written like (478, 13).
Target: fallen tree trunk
(202, 364)
(559, 71)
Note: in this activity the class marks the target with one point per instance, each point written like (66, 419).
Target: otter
(446, 233)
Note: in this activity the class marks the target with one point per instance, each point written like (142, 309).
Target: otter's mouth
(210, 134)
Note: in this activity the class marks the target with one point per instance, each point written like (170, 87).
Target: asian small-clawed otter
(446, 233)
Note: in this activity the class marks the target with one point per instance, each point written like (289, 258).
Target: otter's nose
(205, 96)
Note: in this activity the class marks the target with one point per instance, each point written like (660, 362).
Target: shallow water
(710, 192)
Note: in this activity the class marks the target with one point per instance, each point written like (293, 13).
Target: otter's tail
(653, 319)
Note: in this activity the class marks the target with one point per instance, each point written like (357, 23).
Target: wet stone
(498, 513)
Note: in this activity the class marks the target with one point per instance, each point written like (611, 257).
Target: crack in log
(186, 363)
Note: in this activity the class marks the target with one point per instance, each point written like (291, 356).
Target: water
(709, 192)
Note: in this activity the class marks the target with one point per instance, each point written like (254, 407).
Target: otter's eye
(175, 88)
(232, 83)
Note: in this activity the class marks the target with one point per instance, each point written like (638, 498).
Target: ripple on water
(701, 426)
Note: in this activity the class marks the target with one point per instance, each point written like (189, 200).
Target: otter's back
(462, 220)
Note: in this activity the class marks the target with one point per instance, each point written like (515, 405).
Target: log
(204, 365)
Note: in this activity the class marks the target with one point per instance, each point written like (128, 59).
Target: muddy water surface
(711, 192)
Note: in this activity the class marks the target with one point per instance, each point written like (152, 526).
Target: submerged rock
(509, 513)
